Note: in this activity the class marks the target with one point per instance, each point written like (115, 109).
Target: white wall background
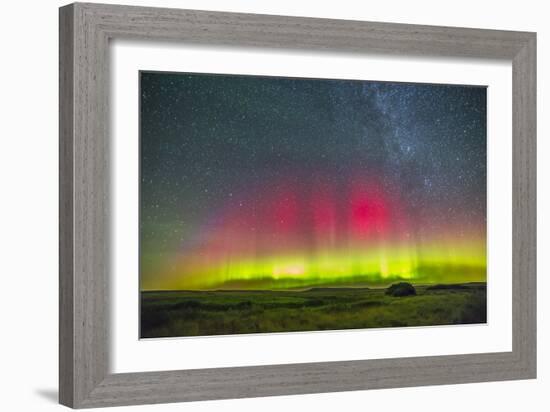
(28, 205)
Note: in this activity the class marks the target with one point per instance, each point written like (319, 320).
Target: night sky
(252, 182)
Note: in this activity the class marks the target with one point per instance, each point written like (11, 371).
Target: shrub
(401, 289)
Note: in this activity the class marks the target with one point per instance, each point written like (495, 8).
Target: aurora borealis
(252, 182)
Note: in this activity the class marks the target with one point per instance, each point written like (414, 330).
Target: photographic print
(273, 204)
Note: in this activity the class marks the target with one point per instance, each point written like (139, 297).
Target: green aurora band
(330, 269)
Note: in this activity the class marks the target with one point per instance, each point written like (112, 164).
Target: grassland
(200, 313)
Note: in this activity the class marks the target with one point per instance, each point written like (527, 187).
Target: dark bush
(401, 289)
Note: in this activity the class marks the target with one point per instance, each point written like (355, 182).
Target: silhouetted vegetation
(401, 289)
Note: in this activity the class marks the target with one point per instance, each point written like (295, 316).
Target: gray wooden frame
(85, 31)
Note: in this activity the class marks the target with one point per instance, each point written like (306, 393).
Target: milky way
(252, 182)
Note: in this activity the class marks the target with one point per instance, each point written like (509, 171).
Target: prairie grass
(202, 313)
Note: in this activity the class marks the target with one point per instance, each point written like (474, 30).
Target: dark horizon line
(305, 289)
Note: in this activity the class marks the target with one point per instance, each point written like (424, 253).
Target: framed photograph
(257, 205)
(271, 204)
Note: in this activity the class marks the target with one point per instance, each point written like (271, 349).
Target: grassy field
(200, 313)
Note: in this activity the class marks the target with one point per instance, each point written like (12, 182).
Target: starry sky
(251, 182)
